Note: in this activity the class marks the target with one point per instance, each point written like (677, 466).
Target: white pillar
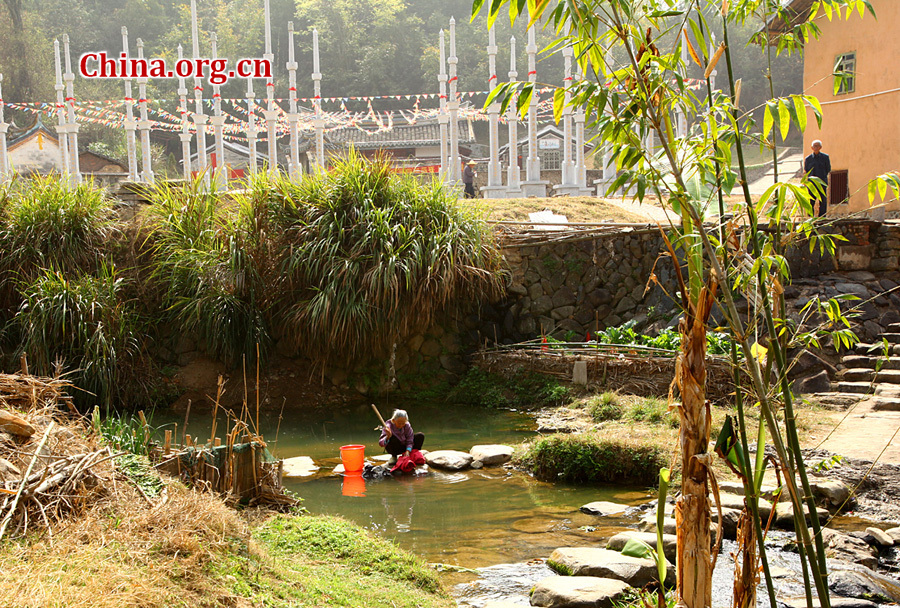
(580, 164)
(73, 123)
(144, 124)
(443, 118)
(130, 124)
(4, 127)
(681, 117)
(199, 117)
(185, 135)
(712, 51)
(218, 123)
(455, 173)
(609, 170)
(293, 117)
(251, 126)
(513, 189)
(271, 114)
(574, 173)
(494, 188)
(533, 186)
(63, 128)
(319, 121)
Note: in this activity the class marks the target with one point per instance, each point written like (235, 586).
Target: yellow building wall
(861, 130)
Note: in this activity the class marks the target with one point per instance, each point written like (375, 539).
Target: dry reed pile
(49, 464)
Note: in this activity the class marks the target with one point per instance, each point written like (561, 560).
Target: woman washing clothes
(397, 437)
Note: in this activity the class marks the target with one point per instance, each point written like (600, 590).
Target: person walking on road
(818, 165)
(469, 179)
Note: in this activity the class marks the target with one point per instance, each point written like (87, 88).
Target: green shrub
(654, 411)
(82, 325)
(605, 407)
(373, 256)
(47, 224)
(668, 338)
(521, 390)
(209, 271)
(592, 457)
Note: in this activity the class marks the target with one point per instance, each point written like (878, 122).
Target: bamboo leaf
(784, 119)
(559, 104)
(768, 122)
(800, 107)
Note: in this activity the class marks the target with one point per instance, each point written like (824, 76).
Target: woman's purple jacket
(404, 435)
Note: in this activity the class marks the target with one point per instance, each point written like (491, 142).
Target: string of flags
(111, 113)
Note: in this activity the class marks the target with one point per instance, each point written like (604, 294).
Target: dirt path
(863, 434)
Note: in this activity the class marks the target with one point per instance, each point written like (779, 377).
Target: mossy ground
(191, 550)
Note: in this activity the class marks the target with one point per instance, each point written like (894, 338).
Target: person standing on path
(818, 165)
(469, 179)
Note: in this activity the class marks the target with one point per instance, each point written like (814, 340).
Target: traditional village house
(415, 147)
(860, 132)
(550, 149)
(34, 150)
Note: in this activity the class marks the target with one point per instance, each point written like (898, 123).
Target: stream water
(502, 523)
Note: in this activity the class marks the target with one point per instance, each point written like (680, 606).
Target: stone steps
(892, 338)
(861, 388)
(869, 362)
(886, 404)
(876, 349)
(887, 376)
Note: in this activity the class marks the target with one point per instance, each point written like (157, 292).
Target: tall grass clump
(605, 407)
(593, 457)
(82, 326)
(373, 256)
(46, 223)
(208, 276)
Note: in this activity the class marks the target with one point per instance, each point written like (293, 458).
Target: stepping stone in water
(603, 508)
(299, 466)
(450, 460)
(492, 454)
(588, 561)
(578, 592)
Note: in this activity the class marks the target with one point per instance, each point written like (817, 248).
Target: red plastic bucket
(353, 456)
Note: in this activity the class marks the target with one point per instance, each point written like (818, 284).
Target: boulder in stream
(736, 501)
(449, 460)
(603, 563)
(648, 524)
(830, 493)
(881, 538)
(491, 454)
(784, 515)
(578, 592)
(844, 547)
(670, 548)
(895, 534)
(603, 508)
(864, 583)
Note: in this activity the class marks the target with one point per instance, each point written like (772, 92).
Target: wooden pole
(219, 386)
(377, 413)
(187, 415)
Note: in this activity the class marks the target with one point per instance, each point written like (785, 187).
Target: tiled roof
(400, 136)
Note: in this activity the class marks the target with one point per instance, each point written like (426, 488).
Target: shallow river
(503, 523)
